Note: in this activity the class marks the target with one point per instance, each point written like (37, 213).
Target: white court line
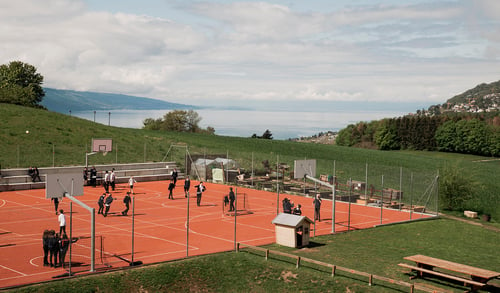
(12, 270)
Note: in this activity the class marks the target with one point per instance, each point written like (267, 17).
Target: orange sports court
(159, 230)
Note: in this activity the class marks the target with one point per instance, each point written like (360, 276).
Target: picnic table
(475, 277)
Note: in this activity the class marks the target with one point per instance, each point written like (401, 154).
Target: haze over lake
(244, 123)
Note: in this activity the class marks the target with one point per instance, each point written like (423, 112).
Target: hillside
(63, 101)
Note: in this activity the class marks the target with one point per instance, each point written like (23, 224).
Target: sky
(281, 53)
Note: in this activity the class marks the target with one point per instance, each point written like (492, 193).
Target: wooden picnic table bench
(477, 277)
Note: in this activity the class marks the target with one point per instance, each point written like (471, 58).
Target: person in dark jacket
(45, 243)
(199, 191)
(53, 244)
(100, 202)
(126, 201)
(63, 249)
(317, 207)
(297, 211)
(231, 199)
(171, 187)
(107, 204)
(187, 185)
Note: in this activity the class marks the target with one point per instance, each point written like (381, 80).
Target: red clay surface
(160, 226)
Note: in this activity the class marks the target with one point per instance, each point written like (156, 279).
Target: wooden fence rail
(334, 268)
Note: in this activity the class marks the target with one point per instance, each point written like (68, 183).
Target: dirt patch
(286, 276)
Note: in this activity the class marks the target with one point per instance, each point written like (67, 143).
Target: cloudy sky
(216, 52)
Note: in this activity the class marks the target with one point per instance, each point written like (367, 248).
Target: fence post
(298, 262)
(333, 270)
(370, 280)
(267, 254)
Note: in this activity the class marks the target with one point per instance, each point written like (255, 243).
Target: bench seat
(465, 281)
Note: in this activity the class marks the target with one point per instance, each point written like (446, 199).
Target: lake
(245, 123)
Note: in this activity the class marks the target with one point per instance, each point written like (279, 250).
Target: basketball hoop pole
(87, 158)
(333, 197)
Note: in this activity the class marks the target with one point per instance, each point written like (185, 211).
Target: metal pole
(411, 193)
(94, 116)
(437, 194)
(252, 168)
(53, 155)
(144, 152)
(333, 204)
(92, 240)
(133, 227)
(235, 213)
(349, 213)
(116, 153)
(277, 186)
(187, 227)
(109, 118)
(227, 166)
(382, 201)
(70, 235)
(366, 184)
(400, 186)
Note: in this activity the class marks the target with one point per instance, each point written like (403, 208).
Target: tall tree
(20, 84)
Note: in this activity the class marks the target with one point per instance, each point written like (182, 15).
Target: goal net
(241, 205)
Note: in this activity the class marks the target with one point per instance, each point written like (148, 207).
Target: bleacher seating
(18, 179)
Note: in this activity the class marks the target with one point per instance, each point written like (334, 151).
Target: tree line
(462, 133)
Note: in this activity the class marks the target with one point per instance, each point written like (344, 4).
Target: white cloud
(219, 51)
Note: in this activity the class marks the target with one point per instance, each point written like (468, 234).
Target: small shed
(292, 230)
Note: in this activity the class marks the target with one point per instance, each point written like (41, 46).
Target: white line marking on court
(12, 270)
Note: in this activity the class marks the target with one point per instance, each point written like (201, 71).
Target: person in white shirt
(131, 182)
(106, 182)
(62, 222)
(112, 179)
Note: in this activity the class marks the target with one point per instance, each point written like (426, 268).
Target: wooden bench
(425, 266)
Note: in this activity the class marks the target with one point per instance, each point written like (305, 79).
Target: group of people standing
(288, 207)
(200, 188)
(55, 248)
(55, 245)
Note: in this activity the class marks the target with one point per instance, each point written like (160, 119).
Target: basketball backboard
(102, 145)
(304, 167)
(57, 185)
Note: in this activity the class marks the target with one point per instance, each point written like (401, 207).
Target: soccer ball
(27, 131)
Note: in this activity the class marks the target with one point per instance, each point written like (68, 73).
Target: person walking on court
(174, 176)
(100, 202)
(107, 204)
(187, 184)
(126, 201)
(199, 191)
(171, 187)
(56, 203)
(131, 182)
(62, 222)
(231, 199)
(317, 207)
